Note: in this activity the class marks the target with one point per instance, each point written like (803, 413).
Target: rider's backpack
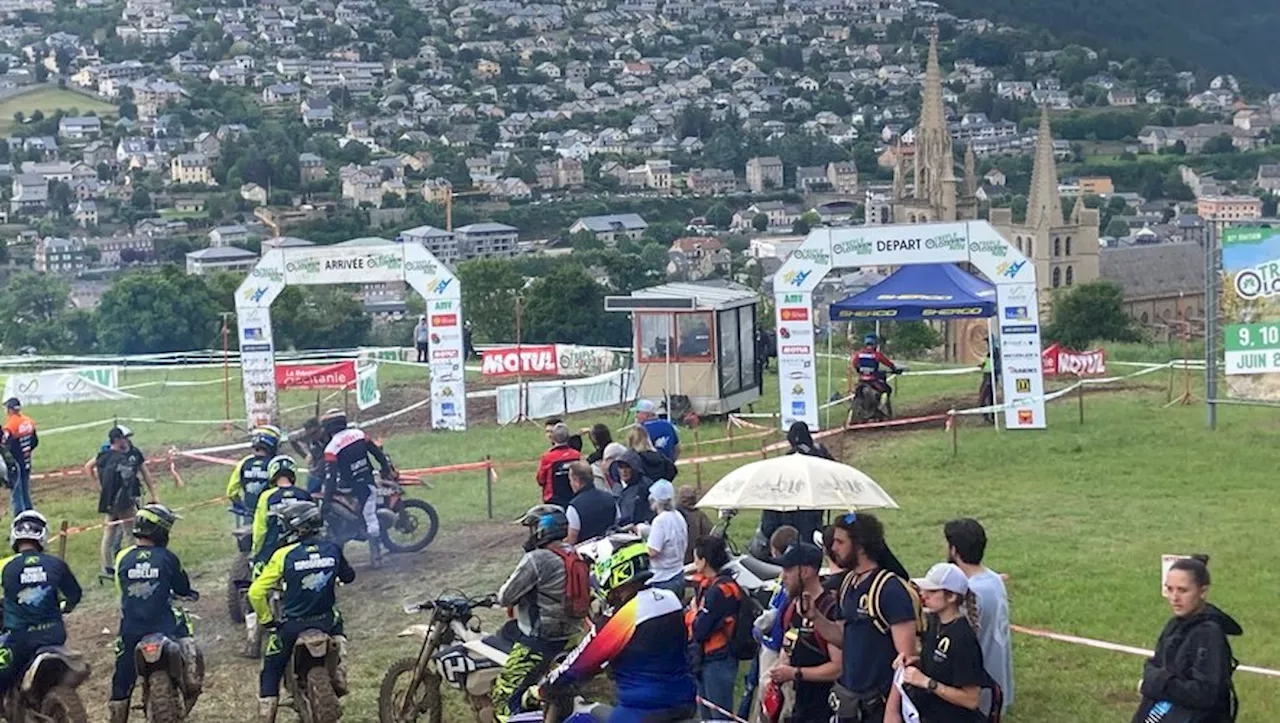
(577, 582)
(742, 643)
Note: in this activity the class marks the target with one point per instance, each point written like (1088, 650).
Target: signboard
(1058, 361)
(1250, 303)
(103, 376)
(973, 242)
(59, 386)
(526, 360)
(367, 392)
(316, 376)
(356, 264)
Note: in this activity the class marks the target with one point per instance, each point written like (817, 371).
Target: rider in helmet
(249, 478)
(642, 638)
(537, 589)
(34, 585)
(314, 436)
(148, 576)
(348, 473)
(308, 569)
(868, 360)
(282, 475)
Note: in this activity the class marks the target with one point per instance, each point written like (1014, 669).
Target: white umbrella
(797, 482)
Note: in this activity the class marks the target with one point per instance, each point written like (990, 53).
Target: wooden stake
(62, 540)
(488, 484)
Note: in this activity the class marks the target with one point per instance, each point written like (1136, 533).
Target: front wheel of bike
(414, 527)
(397, 705)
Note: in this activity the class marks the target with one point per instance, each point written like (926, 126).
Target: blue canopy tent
(920, 291)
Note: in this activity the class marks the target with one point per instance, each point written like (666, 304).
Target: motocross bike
(172, 675)
(312, 677)
(408, 524)
(47, 690)
(453, 649)
(866, 405)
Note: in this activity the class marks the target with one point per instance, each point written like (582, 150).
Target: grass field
(48, 100)
(1078, 516)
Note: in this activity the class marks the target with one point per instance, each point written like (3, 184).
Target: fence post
(62, 540)
(1081, 396)
(955, 435)
(731, 425)
(564, 395)
(488, 484)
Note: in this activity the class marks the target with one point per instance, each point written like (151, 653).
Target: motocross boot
(267, 709)
(340, 685)
(253, 637)
(118, 711)
(375, 553)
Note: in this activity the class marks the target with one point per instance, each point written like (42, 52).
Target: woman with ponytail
(945, 684)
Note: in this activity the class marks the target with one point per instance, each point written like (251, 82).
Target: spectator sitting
(656, 464)
(697, 521)
(553, 468)
(966, 545)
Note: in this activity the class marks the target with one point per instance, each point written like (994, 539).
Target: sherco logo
(965, 311)
(991, 248)
(818, 256)
(305, 266)
(861, 247)
(269, 273)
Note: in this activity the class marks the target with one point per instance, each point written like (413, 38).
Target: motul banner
(526, 360)
(317, 376)
(1058, 361)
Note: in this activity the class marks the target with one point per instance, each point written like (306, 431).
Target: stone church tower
(937, 194)
(1065, 251)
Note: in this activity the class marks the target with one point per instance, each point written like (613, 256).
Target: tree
(34, 307)
(760, 222)
(800, 227)
(318, 317)
(719, 215)
(489, 290)
(565, 307)
(148, 311)
(585, 240)
(1118, 227)
(909, 338)
(1090, 312)
(1219, 144)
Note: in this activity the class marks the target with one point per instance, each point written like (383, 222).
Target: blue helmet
(870, 340)
(267, 438)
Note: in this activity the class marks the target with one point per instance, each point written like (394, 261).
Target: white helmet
(31, 526)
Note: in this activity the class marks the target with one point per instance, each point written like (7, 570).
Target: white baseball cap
(645, 405)
(662, 491)
(944, 576)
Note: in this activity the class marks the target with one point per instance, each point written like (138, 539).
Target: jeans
(315, 483)
(675, 585)
(114, 535)
(715, 685)
(20, 496)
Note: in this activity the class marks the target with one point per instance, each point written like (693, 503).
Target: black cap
(12, 403)
(115, 434)
(801, 554)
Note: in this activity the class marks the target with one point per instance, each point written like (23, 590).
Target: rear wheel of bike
(162, 699)
(394, 702)
(322, 696)
(414, 528)
(236, 596)
(63, 705)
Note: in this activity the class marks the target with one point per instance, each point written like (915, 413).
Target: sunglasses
(850, 518)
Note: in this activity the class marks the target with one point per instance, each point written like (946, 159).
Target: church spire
(933, 157)
(933, 114)
(970, 173)
(1044, 206)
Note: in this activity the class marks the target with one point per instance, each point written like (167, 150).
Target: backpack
(743, 644)
(577, 582)
(881, 577)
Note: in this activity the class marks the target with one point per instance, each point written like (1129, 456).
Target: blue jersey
(147, 578)
(33, 582)
(663, 435)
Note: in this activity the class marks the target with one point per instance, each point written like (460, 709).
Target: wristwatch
(933, 685)
(799, 675)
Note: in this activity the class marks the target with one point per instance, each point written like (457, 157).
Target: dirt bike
(408, 524)
(454, 649)
(312, 678)
(172, 675)
(241, 569)
(47, 691)
(866, 405)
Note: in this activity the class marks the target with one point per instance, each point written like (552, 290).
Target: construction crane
(264, 215)
(449, 193)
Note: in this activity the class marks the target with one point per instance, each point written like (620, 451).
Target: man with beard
(876, 618)
(809, 662)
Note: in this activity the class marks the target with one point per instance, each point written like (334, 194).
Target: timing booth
(695, 341)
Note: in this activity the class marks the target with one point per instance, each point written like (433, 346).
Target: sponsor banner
(544, 399)
(257, 363)
(103, 376)
(1250, 304)
(1022, 380)
(585, 361)
(448, 405)
(344, 264)
(317, 376)
(60, 386)
(525, 360)
(1058, 361)
(899, 245)
(797, 371)
(367, 392)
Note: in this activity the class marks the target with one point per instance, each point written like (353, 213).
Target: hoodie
(802, 442)
(633, 502)
(1189, 677)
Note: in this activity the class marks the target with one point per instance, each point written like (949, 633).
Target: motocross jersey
(147, 578)
(248, 480)
(643, 644)
(869, 360)
(266, 522)
(32, 584)
(346, 461)
(310, 571)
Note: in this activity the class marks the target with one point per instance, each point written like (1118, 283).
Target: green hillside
(1227, 36)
